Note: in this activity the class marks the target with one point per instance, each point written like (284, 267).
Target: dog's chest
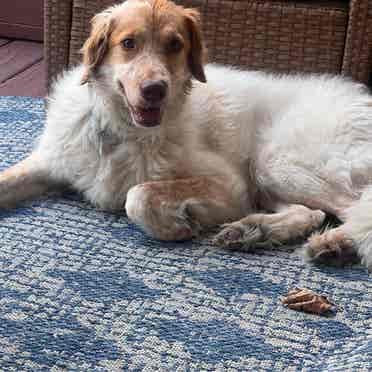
(125, 163)
(139, 160)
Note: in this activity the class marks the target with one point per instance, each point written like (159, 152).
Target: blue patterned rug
(84, 290)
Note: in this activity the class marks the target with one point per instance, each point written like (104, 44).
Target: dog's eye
(128, 43)
(175, 45)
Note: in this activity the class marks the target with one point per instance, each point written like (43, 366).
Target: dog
(144, 125)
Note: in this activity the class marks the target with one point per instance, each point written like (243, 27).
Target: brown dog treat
(302, 299)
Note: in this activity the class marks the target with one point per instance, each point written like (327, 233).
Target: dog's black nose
(154, 90)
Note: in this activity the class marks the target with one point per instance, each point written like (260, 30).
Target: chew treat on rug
(302, 299)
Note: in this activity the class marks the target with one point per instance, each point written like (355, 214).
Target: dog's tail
(25, 180)
(359, 226)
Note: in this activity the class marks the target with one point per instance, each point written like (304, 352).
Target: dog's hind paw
(333, 247)
(240, 236)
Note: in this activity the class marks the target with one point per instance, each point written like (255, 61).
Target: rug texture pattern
(85, 290)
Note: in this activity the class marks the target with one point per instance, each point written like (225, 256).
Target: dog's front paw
(158, 216)
(240, 236)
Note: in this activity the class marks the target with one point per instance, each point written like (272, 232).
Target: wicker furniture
(286, 36)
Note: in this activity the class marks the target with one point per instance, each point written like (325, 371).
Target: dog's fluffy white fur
(309, 137)
(294, 145)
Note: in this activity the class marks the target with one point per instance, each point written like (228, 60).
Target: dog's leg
(333, 194)
(178, 210)
(349, 242)
(329, 190)
(23, 181)
(288, 223)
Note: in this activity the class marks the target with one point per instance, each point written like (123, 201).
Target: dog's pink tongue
(150, 117)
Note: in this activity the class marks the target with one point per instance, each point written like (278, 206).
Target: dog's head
(145, 51)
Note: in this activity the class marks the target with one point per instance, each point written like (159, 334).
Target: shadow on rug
(85, 290)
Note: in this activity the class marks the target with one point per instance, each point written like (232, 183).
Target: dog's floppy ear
(95, 48)
(197, 51)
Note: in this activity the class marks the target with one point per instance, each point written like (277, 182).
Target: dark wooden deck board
(17, 56)
(4, 41)
(31, 82)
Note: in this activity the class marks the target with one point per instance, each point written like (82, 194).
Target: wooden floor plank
(30, 82)
(17, 56)
(4, 41)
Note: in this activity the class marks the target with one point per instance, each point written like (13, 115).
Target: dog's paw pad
(330, 248)
(238, 236)
(228, 235)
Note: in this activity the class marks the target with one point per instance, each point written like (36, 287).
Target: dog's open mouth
(147, 117)
(143, 116)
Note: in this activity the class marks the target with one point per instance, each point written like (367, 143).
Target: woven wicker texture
(275, 35)
(285, 36)
(257, 34)
(57, 28)
(358, 50)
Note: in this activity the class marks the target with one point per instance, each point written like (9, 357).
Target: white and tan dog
(142, 125)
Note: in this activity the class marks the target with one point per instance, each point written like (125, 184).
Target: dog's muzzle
(149, 112)
(154, 91)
